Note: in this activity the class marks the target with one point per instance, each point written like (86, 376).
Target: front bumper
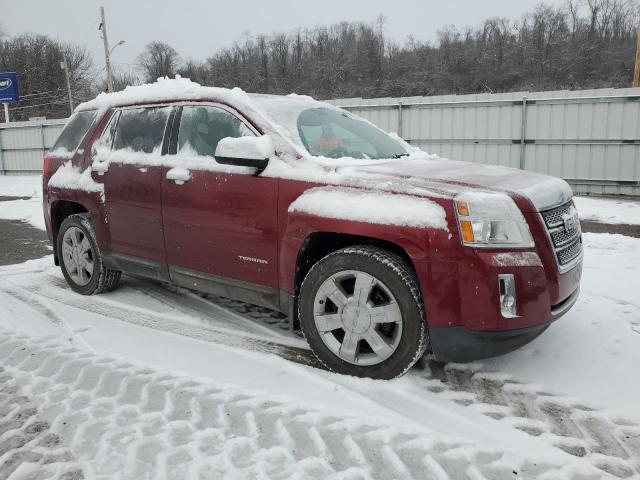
(460, 344)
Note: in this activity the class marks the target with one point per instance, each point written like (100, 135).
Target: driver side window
(202, 127)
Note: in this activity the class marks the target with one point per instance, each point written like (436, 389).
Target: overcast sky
(198, 28)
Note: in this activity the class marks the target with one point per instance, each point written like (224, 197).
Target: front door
(219, 220)
(128, 162)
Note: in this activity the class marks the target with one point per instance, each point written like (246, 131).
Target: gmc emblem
(572, 222)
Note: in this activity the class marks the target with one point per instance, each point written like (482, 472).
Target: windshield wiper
(400, 155)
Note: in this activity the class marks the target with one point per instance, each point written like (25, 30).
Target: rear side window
(74, 131)
(141, 129)
(201, 128)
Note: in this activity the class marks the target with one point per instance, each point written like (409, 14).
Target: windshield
(332, 133)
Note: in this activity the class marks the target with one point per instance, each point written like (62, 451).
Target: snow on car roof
(164, 89)
(175, 89)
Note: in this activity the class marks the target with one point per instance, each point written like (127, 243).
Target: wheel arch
(319, 244)
(60, 210)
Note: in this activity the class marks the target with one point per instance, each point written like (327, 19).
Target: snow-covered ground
(151, 381)
(608, 210)
(30, 209)
(21, 185)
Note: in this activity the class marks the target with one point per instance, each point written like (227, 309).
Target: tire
(361, 295)
(77, 250)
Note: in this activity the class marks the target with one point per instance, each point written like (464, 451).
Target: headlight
(491, 220)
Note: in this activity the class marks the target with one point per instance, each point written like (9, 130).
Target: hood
(452, 177)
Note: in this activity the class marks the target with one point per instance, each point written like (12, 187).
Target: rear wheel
(362, 313)
(80, 258)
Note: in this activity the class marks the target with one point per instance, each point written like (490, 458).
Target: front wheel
(362, 313)
(80, 258)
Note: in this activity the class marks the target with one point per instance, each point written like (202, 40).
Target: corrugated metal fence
(590, 138)
(23, 144)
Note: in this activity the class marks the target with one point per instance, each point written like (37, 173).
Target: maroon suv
(376, 250)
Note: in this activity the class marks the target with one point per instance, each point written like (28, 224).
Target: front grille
(569, 253)
(567, 244)
(560, 237)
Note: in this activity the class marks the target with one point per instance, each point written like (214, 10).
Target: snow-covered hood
(451, 177)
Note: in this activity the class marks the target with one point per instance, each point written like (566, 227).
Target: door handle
(99, 167)
(179, 175)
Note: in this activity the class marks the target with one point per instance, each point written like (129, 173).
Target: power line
(50, 92)
(58, 102)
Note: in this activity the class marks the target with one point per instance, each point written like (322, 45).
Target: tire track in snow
(119, 419)
(166, 323)
(27, 444)
(609, 442)
(205, 308)
(46, 309)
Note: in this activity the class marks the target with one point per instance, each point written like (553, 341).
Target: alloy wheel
(358, 317)
(77, 255)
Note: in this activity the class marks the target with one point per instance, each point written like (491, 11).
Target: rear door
(128, 161)
(220, 224)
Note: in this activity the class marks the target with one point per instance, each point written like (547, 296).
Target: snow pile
(69, 176)
(606, 210)
(371, 207)
(246, 147)
(186, 159)
(104, 156)
(164, 89)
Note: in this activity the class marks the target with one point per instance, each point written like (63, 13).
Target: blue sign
(9, 87)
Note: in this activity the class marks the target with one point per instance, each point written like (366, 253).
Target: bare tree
(158, 60)
(198, 72)
(122, 78)
(36, 59)
(583, 44)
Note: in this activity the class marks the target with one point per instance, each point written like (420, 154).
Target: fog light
(507, 289)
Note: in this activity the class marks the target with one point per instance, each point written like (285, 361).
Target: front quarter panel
(431, 250)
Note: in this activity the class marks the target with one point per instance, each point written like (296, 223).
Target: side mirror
(245, 151)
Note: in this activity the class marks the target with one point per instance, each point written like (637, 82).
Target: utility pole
(636, 72)
(65, 67)
(105, 41)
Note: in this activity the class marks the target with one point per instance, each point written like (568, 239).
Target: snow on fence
(591, 138)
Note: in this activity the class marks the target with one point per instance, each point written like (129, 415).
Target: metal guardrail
(501, 102)
(523, 104)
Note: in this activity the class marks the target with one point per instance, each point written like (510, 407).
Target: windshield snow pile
(371, 207)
